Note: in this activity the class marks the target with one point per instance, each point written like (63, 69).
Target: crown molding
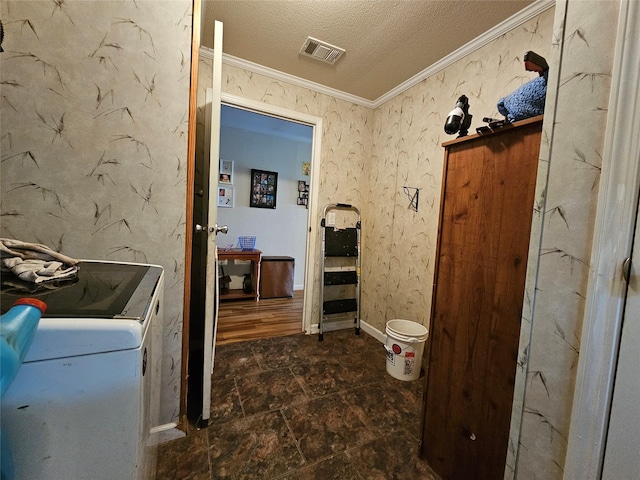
(509, 24)
(506, 26)
(285, 77)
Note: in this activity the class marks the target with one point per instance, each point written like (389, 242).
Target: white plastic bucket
(405, 344)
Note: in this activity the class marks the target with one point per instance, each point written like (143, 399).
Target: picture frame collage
(264, 187)
(303, 193)
(226, 191)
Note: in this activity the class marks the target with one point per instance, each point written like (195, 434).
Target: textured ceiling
(386, 41)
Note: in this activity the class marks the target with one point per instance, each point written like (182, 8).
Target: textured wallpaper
(94, 109)
(573, 144)
(407, 151)
(94, 138)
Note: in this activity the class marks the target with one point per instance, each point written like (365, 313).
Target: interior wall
(95, 100)
(564, 209)
(408, 141)
(408, 133)
(398, 244)
(279, 231)
(567, 210)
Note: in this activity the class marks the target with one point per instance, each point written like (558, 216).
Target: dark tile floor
(294, 408)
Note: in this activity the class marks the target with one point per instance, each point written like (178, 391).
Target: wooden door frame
(188, 239)
(252, 105)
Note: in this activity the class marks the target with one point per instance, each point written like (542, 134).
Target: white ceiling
(387, 42)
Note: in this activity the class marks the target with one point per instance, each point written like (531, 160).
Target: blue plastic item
(17, 329)
(247, 243)
(527, 101)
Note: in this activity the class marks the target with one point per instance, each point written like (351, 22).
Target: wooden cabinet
(481, 260)
(248, 255)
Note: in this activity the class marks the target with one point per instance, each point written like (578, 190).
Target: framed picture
(264, 186)
(226, 172)
(303, 193)
(225, 197)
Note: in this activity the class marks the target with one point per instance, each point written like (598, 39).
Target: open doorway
(194, 394)
(313, 210)
(251, 142)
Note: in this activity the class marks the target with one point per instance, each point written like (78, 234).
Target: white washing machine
(87, 394)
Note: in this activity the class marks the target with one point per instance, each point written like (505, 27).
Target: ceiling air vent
(323, 51)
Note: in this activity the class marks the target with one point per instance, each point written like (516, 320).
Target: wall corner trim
(613, 240)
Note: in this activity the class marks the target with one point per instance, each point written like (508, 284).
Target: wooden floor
(241, 320)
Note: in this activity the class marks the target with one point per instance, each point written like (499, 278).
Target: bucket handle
(389, 350)
(404, 339)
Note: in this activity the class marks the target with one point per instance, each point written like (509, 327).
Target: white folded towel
(36, 263)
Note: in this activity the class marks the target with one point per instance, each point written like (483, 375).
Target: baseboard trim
(374, 332)
(345, 324)
(165, 433)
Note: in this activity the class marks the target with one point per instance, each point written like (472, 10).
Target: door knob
(215, 229)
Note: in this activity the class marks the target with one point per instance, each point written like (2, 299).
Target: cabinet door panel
(485, 224)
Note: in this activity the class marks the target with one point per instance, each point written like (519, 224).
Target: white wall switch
(331, 219)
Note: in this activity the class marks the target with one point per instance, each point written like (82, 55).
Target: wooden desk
(238, 254)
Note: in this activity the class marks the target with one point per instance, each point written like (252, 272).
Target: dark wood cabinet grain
(481, 260)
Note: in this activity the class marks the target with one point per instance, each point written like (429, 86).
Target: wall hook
(413, 194)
